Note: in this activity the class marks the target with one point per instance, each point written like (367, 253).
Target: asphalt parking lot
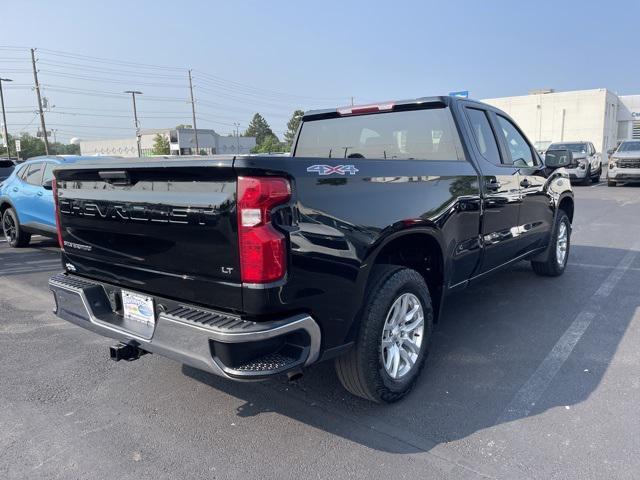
(528, 377)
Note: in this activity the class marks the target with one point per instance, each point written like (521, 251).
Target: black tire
(596, 177)
(611, 184)
(15, 236)
(552, 267)
(361, 370)
(587, 179)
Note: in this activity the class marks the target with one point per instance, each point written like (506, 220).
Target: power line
(118, 71)
(108, 80)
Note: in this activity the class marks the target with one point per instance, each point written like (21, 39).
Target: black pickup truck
(252, 266)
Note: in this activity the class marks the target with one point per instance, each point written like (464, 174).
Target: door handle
(525, 183)
(15, 189)
(39, 194)
(493, 185)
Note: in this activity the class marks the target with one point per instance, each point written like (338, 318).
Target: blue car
(26, 199)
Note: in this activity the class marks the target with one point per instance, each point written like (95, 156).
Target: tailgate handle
(115, 177)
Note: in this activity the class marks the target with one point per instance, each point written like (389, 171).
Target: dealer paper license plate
(138, 307)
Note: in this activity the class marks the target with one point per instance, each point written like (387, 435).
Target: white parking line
(526, 398)
(604, 267)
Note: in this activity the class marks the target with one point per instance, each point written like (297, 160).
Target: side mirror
(610, 151)
(48, 185)
(558, 158)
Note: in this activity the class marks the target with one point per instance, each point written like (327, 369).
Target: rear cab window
(424, 134)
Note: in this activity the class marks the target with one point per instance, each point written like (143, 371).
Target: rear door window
(34, 174)
(426, 134)
(484, 136)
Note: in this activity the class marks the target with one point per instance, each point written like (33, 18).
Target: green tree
(259, 128)
(31, 146)
(270, 144)
(292, 127)
(160, 145)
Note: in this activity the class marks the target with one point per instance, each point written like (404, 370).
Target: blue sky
(273, 57)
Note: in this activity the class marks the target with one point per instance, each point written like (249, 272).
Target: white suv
(624, 165)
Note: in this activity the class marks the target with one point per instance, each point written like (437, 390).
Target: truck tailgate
(163, 228)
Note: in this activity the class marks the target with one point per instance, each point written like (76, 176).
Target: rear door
(44, 209)
(501, 191)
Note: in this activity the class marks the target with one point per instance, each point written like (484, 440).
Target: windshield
(629, 147)
(574, 147)
(406, 135)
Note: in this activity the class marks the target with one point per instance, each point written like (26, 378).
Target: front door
(25, 194)
(536, 212)
(500, 190)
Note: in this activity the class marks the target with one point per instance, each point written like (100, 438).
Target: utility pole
(54, 130)
(135, 118)
(352, 101)
(35, 78)
(4, 116)
(193, 112)
(237, 125)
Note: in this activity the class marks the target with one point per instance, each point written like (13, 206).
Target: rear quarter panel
(341, 221)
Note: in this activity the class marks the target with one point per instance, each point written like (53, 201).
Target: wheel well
(420, 252)
(3, 207)
(566, 204)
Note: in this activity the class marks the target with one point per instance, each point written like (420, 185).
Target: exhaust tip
(294, 375)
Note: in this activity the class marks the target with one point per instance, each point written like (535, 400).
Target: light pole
(237, 125)
(4, 116)
(135, 117)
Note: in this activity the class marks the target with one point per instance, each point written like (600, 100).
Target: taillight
(263, 256)
(54, 186)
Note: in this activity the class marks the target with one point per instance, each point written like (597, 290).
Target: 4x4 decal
(331, 169)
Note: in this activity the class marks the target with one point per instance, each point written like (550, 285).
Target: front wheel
(15, 236)
(611, 183)
(558, 255)
(392, 343)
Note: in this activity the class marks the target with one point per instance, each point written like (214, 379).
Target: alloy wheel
(562, 243)
(9, 228)
(402, 335)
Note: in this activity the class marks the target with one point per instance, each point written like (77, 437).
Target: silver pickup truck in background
(587, 163)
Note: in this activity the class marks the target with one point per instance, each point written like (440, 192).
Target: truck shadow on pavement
(492, 339)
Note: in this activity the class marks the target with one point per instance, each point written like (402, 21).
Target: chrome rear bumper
(217, 342)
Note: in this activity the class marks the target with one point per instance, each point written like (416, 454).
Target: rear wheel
(558, 255)
(15, 236)
(392, 343)
(611, 183)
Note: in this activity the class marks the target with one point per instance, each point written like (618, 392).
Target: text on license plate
(138, 307)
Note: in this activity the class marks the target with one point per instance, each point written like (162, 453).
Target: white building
(181, 142)
(599, 116)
